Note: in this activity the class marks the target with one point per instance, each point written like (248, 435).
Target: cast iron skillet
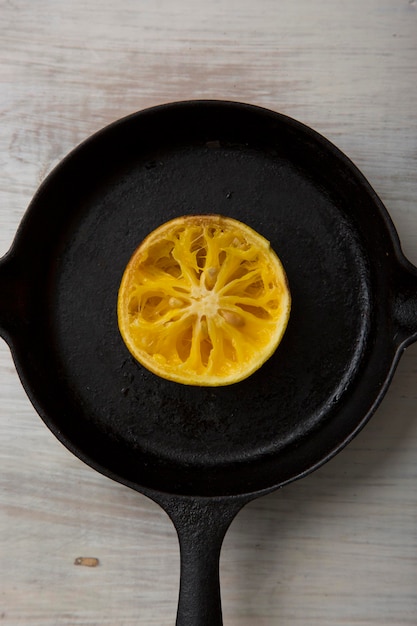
(202, 453)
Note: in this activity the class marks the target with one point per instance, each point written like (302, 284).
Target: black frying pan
(202, 453)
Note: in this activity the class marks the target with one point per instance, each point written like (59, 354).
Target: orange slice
(204, 300)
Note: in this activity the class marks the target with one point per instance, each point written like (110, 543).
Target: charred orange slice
(204, 300)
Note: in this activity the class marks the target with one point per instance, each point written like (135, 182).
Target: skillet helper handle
(201, 525)
(11, 295)
(406, 305)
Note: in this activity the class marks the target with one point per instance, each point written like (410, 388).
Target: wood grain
(339, 547)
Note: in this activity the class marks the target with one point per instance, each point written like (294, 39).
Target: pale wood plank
(339, 547)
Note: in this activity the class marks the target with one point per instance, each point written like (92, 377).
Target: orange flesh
(204, 300)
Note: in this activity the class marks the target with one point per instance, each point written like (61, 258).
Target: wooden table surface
(339, 547)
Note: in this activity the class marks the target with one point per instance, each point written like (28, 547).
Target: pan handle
(201, 524)
(11, 295)
(405, 305)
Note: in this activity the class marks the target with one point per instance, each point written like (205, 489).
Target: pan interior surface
(102, 202)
